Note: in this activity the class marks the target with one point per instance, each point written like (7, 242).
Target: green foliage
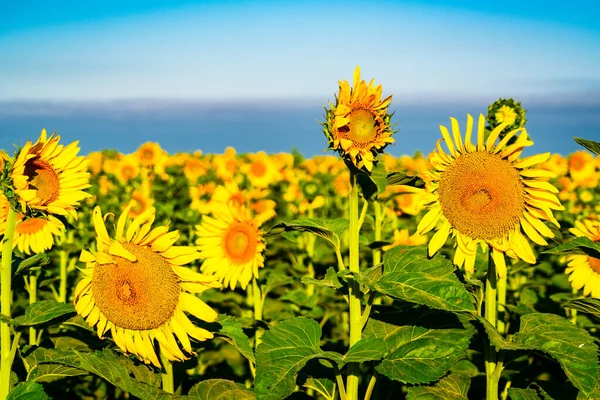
(284, 351)
(452, 387)
(27, 391)
(42, 312)
(422, 344)
(330, 230)
(580, 245)
(408, 275)
(591, 145)
(219, 389)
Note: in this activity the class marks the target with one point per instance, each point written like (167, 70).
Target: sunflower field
(471, 272)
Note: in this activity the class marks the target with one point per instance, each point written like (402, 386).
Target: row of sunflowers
(363, 275)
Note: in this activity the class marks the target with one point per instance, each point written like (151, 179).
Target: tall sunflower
(50, 177)
(483, 194)
(136, 286)
(231, 245)
(36, 234)
(584, 271)
(358, 126)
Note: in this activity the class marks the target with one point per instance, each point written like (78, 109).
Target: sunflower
(508, 112)
(136, 286)
(261, 170)
(127, 169)
(485, 195)
(36, 234)
(140, 202)
(582, 169)
(50, 177)
(231, 245)
(150, 154)
(226, 165)
(4, 208)
(584, 270)
(358, 126)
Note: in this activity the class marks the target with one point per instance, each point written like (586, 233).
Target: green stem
(378, 223)
(371, 386)
(62, 291)
(574, 311)
(168, 383)
(32, 299)
(258, 309)
(491, 316)
(501, 306)
(7, 356)
(340, 381)
(354, 289)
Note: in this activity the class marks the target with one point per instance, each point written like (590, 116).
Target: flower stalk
(6, 351)
(354, 290)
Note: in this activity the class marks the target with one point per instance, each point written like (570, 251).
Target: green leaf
(275, 280)
(587, 305)
(105, 364)
(570, 345)
(592, 146)
(330, 280)
(27, 391)
(452, 387)
(52, 372)
(43, 311)
(284, 350)
(400, 178)
(408, 275)
(323, 386)
(329, 229)
(423, 344)
(523, 394)
(465, 367)
(220, 389)
(581, 245)
(367, 349)
(37, 260)
(231, 331)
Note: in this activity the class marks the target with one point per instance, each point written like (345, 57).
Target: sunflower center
(258, 168)
(481, 195)
(362, 128)
(138, 295)
(43, 178)
(237, 200)
(31, 225)
(594, 264)
(240, 242)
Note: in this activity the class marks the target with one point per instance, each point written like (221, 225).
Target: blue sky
(97, 50)
(129, 70)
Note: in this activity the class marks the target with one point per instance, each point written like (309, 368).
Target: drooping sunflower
(584, 271)
(136, 286)
(232, 245)
(50, 177)
(358, 125)
(483, 194)
(36, 234)
(508, 112)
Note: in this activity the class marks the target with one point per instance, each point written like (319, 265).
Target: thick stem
(258, 309)
(491, 316)
(168, 383)
(501, 306)
(378, 223)
(32, 299)
(62, 291)
(6, 355)
(354, 289)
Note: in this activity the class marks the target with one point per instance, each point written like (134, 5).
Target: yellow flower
(261, 170)
(140, 203)
(36, 235)
(584, 271)
(127, 168)
(506, 115)
(4, 208)
(151, 154)
(403, 237)
(483, 194)
(231, 245)
(194, 168)
(50, 177)
(358, 126)
(583, 169)
(226, 165)
(136, 286)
